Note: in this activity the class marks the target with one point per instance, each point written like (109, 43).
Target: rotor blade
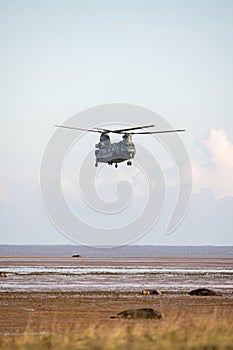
(135, 128)
(104, 130)
(156, 132)
(119, 131)
(72, 127)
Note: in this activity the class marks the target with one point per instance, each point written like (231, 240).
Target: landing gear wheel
(116, 165)
(129, 163)
(96, 164)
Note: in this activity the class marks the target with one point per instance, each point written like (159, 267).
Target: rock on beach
(151, 291)
(144, 313)
(203, 292)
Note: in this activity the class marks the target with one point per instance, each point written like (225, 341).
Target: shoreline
(119, 274)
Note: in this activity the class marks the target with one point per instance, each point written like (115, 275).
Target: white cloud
(217, 174)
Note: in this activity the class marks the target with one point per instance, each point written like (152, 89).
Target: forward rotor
(106, 131)
(123, 131)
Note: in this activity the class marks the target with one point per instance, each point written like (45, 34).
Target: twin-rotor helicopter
(117, 152)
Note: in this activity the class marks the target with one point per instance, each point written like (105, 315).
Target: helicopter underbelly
(114, 160)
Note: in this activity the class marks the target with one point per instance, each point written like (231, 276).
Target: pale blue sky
(60, 57)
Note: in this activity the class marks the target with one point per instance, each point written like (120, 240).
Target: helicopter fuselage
(117, 152)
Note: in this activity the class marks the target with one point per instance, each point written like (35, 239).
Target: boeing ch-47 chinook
(117, 152)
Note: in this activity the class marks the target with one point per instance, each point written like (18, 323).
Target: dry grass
(67, 321)
(198, 334)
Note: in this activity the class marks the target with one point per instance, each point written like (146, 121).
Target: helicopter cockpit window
(105, 138)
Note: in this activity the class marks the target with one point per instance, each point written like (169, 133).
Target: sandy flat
(42, 310)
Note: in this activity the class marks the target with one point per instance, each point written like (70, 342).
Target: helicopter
(117, 152)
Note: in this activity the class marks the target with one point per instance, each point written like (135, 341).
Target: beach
(63, 295)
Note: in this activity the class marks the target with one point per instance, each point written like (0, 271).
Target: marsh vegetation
(66, 321)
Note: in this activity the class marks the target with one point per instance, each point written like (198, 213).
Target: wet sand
(191, 262)
(54, 310)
